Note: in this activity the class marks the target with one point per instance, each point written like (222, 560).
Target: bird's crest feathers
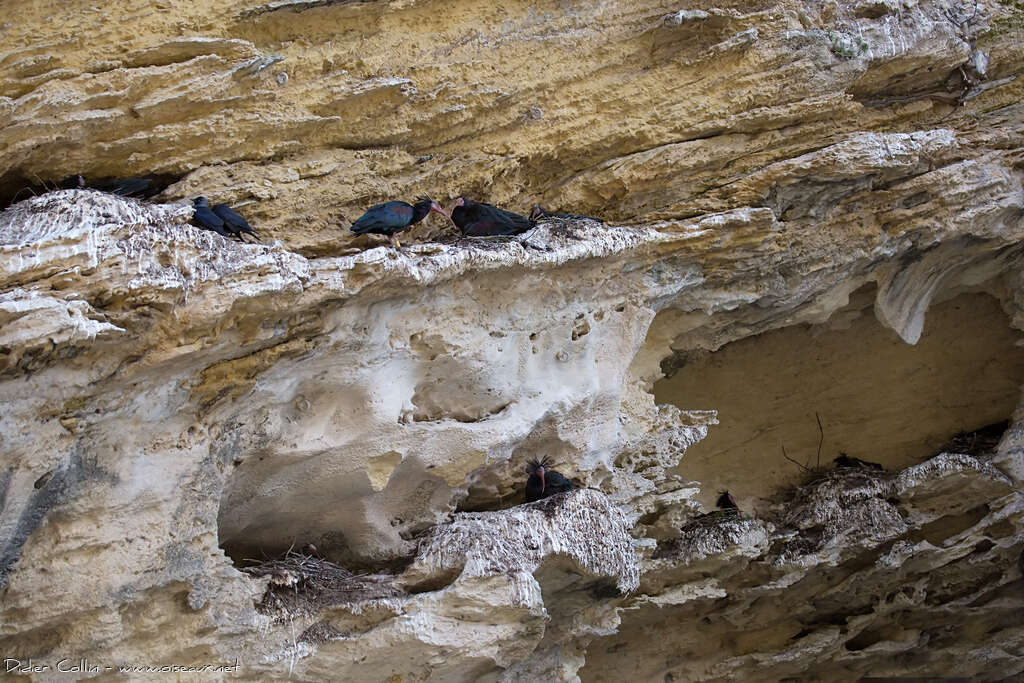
(536, 464)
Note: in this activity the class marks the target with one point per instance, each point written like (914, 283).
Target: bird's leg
(397, 245)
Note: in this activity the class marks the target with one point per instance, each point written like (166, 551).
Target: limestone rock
(812, 246)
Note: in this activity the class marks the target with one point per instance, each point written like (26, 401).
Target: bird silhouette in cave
(477, 219)
(391, 218)
(544, 481)
(125, 187)
(726, 501)
(845, 460)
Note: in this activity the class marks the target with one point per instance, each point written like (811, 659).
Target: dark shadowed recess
(876, 397)
(15, 186)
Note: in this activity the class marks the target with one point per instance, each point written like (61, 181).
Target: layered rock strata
(177, 406)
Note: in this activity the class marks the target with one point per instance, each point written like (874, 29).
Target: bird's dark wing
(126, 187)
(557, 483)
(481, 228)
(385, 218)
(478, 219)
(505, 222)
(233, 220)
(207, 219)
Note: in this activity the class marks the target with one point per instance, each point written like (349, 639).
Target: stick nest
(303, 584)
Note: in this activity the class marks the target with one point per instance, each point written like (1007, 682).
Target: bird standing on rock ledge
(476, 219)
(726, 501)
(206, 218)
(233, 221)
(391, 218)
(544, 482)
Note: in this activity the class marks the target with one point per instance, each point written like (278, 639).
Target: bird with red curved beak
(544, 481)
(437, 208)
(477, 219)
(391, 218)
(459, 202)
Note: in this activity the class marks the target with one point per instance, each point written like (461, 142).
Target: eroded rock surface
(177, 406)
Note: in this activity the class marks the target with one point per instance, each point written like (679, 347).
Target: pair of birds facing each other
(221, 219)
(471, 218)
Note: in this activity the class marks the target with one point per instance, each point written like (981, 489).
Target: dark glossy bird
(73, 182)
(234, 222)
(476, 219)
(845, 460)
(544, 482)
(125, 187)
(391, 218)
(204, 216)
(726, 501)
(539, 213)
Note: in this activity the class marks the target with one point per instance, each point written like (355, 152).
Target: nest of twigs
(701, 530)
(303, 584)
(713, 518)
(565, 227)
(492, 243)
(979, 442)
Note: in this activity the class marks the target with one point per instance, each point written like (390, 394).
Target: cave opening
(876, 397)
(16, 186)
(280, 505)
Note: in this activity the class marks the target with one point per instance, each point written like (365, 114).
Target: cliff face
(813, 244)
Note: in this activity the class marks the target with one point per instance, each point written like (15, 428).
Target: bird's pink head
(539, 467)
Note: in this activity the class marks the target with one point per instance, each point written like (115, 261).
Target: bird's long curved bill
(446, 213)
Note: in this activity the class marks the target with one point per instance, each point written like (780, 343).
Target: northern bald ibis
(544, 482)
(391, 218)
(476, 219)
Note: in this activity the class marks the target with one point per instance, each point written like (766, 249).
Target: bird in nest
(544, 481)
